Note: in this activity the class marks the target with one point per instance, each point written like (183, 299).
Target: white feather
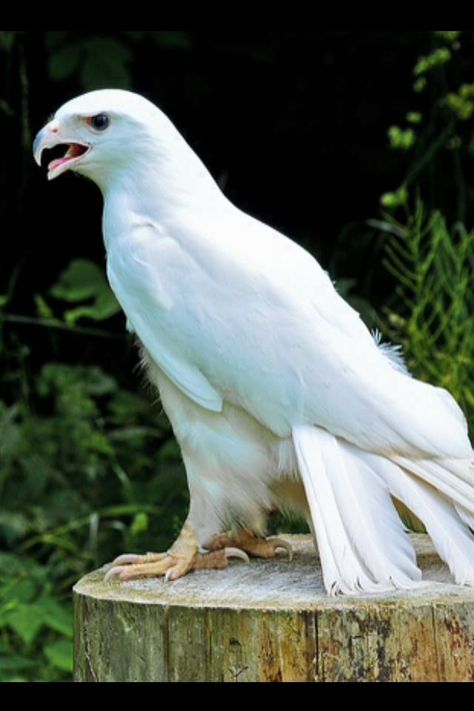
(347, 504)
(342, 570)
(451, 537)
(452, 477)
(393, 352)
(465, 516)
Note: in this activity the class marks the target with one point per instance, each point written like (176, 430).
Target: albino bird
(277, 393)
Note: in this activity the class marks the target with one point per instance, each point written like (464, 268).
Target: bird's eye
(99, 122)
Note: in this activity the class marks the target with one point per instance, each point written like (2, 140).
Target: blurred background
(359, 146)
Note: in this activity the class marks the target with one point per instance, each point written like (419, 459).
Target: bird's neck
(158, 186)
(166, 193)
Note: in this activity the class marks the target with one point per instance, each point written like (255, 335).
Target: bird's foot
(152, 565)
(246, 540)
(182, 557)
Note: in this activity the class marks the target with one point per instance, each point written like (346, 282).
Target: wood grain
(271, 621)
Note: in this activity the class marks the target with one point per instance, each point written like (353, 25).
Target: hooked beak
(50, 137)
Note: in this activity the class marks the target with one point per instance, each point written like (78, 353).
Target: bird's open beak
(49, 137)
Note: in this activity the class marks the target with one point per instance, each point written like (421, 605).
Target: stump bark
(272, 621)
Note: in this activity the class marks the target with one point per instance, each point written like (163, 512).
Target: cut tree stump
(271, 620)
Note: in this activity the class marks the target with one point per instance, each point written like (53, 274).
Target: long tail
(445, 522)
(362, 542)
(453, 477)
(347, 503)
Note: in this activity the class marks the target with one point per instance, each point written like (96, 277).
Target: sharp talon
(169, 575)
(127, 558)
(236, 553)
(278, 543)
(114, 572)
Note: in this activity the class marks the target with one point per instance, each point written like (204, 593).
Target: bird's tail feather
(465, 516)
(446, 523)
(453, 477)
(362, 541)
(347, 502)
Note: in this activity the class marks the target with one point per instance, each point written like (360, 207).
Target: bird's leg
(182, 557)
(244, 539)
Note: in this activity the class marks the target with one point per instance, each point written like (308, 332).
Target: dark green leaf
(106, 64)
(7, 39)
(60, 654)
(84, 280)
(56, 616)
(18, 590)
(26, 620)
(64, 62)
(14, 662)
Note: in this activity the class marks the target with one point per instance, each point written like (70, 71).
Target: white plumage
(277, 393)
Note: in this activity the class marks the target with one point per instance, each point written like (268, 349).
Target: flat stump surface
(271, 620)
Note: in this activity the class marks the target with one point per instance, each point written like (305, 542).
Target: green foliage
(419, 85)
(432, 310)
(462, 102)
(441, 112)
(436, 58)
(87, 469)
(99, 61)
(401, 138)
(448, 35)
(414, 117)
(395, 199)
(7, 39)
(83, 280)
(33, 620)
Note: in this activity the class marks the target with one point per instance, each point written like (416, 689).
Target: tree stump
(272, 621)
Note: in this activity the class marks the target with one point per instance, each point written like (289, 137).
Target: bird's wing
(323, 366)
(231, 309)
(149, 314)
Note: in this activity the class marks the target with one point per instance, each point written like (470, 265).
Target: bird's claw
(249, 542)
(127, 558)
(278, 543)
(114, 572)
(236, 553)
(134, 558)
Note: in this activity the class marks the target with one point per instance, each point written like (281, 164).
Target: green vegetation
(81, 462)
(432, 311)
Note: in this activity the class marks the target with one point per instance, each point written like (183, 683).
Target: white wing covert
(149, 310)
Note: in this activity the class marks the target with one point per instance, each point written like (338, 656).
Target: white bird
(277, 393)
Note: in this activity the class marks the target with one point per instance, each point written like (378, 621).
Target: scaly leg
(246, 540)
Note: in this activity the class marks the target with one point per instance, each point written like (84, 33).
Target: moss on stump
(271, 621)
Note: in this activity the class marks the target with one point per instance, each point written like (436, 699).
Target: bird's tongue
(73, 151)
(55, 163)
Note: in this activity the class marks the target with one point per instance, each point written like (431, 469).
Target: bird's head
(120, 139)
(102, 132)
